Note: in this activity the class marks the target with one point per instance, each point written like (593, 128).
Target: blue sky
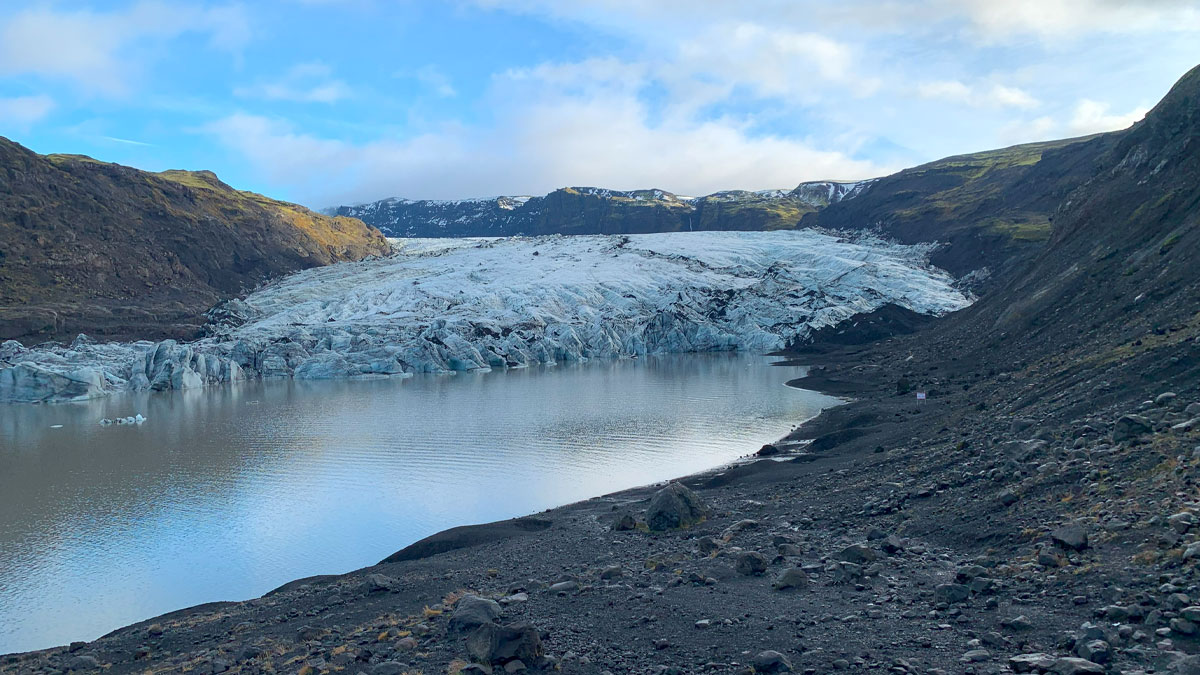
(337, 101)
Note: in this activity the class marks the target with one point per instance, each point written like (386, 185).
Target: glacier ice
(440, 305)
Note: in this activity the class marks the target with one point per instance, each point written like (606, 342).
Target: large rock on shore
(473, 611)
(493, 644)
(673, 507)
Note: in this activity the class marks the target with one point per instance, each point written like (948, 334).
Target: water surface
(226, 493)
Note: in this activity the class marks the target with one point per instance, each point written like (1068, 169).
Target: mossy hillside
(97, 247)
(993, 209)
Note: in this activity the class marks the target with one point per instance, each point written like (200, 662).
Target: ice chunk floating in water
(463, 304)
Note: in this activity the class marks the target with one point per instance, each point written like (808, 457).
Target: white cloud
(1085, 118)
(776, 61)
(1094, 117)
(23, 111)
(102, 52)
(1043, 128)
(1069, 18)
(534, 147)
(303, 83)
(437, 81)
(991, 19)
(994, 96)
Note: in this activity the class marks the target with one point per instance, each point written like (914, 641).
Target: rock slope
(589, 210)
(87, 246)
(444, 305)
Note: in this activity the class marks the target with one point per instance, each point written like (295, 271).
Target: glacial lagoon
(227, 492)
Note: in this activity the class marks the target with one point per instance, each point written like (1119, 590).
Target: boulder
(793, 577)
(564, 587)
(770, 661)
(951, 593)
(1075, 666)
(1182, 522)
(768, 450)
(751, 563)
(1070, 537)
(493, 644)
(857, 553)
(1096, 651)
(673, 507)
(1131, 427)
(625, 523)
(1031, 663)
(378, 583)
(472, 611)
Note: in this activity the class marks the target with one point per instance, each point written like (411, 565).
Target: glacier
(441, 305)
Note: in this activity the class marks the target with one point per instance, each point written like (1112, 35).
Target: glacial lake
(227, 493)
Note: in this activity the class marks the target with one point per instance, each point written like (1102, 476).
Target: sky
(329, 102)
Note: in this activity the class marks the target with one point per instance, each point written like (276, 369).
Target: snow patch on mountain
(461, 304)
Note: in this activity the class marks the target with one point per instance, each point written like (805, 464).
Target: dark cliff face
(87, 246)
(587, 210)
(1108, 307)
(1122, 256)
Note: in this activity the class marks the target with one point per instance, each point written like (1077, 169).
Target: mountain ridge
(595, 210)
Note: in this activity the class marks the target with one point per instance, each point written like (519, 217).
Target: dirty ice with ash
(459, 304)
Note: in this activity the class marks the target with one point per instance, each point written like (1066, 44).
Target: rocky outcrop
(589, 210)
(673, 507)
(108, 250)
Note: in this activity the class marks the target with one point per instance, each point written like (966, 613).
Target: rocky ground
(1036, 513)
(889, 535)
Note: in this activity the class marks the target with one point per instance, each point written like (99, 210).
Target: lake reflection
(226, 493)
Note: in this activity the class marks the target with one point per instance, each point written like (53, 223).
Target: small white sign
(920, 396)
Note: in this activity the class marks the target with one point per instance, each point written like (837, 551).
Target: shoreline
(759, 360)
(911, 560)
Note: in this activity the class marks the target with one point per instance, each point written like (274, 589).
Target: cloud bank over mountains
(337, 101)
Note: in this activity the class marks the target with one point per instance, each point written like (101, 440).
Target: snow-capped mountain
(591, 210)
(462, 304)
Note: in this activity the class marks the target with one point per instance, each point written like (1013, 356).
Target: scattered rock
(771, 662)
(625, 523)
(1070, 536)
(1031, 663)
(751, 563)
(793, 577)
(614, 572)
(83, 663)
(472, 611)
(707, 545)
(951, 593)
(768, 450)
(1165, 399)
(378, 583)
(1131, 427)
(1097, 651)
(493, 644)
(673, 507)
(564, 587)
(976, 656)
(1075, 666)
(857, 553)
